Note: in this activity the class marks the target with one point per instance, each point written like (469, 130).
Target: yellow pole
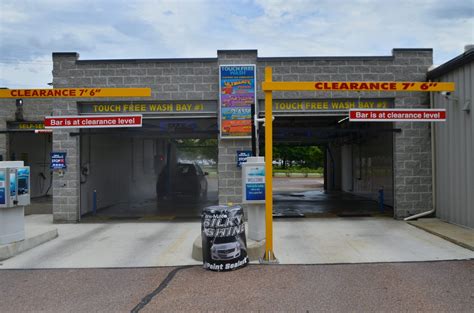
(269, 255)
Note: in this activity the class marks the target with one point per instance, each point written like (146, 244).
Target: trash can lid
(223, 209)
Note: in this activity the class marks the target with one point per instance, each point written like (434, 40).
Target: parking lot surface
(380, 287)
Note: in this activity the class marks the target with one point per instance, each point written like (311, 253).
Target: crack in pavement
(160, 288)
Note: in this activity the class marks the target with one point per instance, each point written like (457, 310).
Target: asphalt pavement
(442, 286)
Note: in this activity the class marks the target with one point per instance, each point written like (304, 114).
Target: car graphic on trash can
(225, 251)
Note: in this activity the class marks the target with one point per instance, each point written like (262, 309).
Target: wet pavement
(293, 197)
(389, 287)
(306, 197)
(40, 205)
(320, 202)
(178, 206)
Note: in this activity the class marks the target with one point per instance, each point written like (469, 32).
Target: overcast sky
(30, 30)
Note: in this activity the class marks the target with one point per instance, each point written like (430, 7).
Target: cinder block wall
(412, 146)
(169, 79)
(197, 79)
(230, 176)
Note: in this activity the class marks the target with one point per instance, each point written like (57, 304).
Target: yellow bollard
(269, 256)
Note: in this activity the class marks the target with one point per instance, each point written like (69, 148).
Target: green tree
(201, 149)
(304, 156)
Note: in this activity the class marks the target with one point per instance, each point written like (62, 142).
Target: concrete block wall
(197, 79)
(229, 175)
(412, 147)
(175, 79)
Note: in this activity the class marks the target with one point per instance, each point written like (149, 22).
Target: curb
(298, 175)
(428, 229)
(9, 250)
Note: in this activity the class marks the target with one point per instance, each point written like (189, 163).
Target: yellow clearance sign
(357, 86)
(75, 93)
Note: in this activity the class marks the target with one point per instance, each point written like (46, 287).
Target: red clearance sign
(397, 115)
(93, 121)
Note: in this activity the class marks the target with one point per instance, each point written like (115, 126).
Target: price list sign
(237, 96)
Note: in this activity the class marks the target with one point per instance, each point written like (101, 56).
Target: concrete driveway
(296, 241)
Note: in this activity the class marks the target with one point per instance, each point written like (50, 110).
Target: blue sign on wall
(242, 157)
(58, 160)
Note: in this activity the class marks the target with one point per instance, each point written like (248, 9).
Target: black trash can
(224, 246)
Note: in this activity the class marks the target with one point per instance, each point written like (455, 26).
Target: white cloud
(34, 73)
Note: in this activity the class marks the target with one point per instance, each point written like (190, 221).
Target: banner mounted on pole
(237, 95)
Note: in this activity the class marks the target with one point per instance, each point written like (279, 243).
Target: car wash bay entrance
(168, 167)
(357, 159)
(165, 169)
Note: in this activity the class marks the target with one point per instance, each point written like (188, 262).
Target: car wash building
(124, 168)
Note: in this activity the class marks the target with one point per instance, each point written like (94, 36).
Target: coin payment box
(14, 195)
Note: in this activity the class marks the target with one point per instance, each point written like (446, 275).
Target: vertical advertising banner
(237, 95)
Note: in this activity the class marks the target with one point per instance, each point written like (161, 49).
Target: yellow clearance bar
(357, 86)
(75, 93)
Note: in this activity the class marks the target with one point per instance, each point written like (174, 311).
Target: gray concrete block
(115, 80)
(329, 69)
(298, 69)
(122, 72)
(99, 81)
(412, 180)
(338, 77)
(186, 71)
(154, 72)
(204, 87)
(138, 71)
(107, 72)
(194, 95)
(131, 80)
(163, 80)
(170, 87)
(378, 69)
(147, 80)
(346, 69)
(370, 77)
(186, 87)
(413, 197)
(361, 69)
(306, 77)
